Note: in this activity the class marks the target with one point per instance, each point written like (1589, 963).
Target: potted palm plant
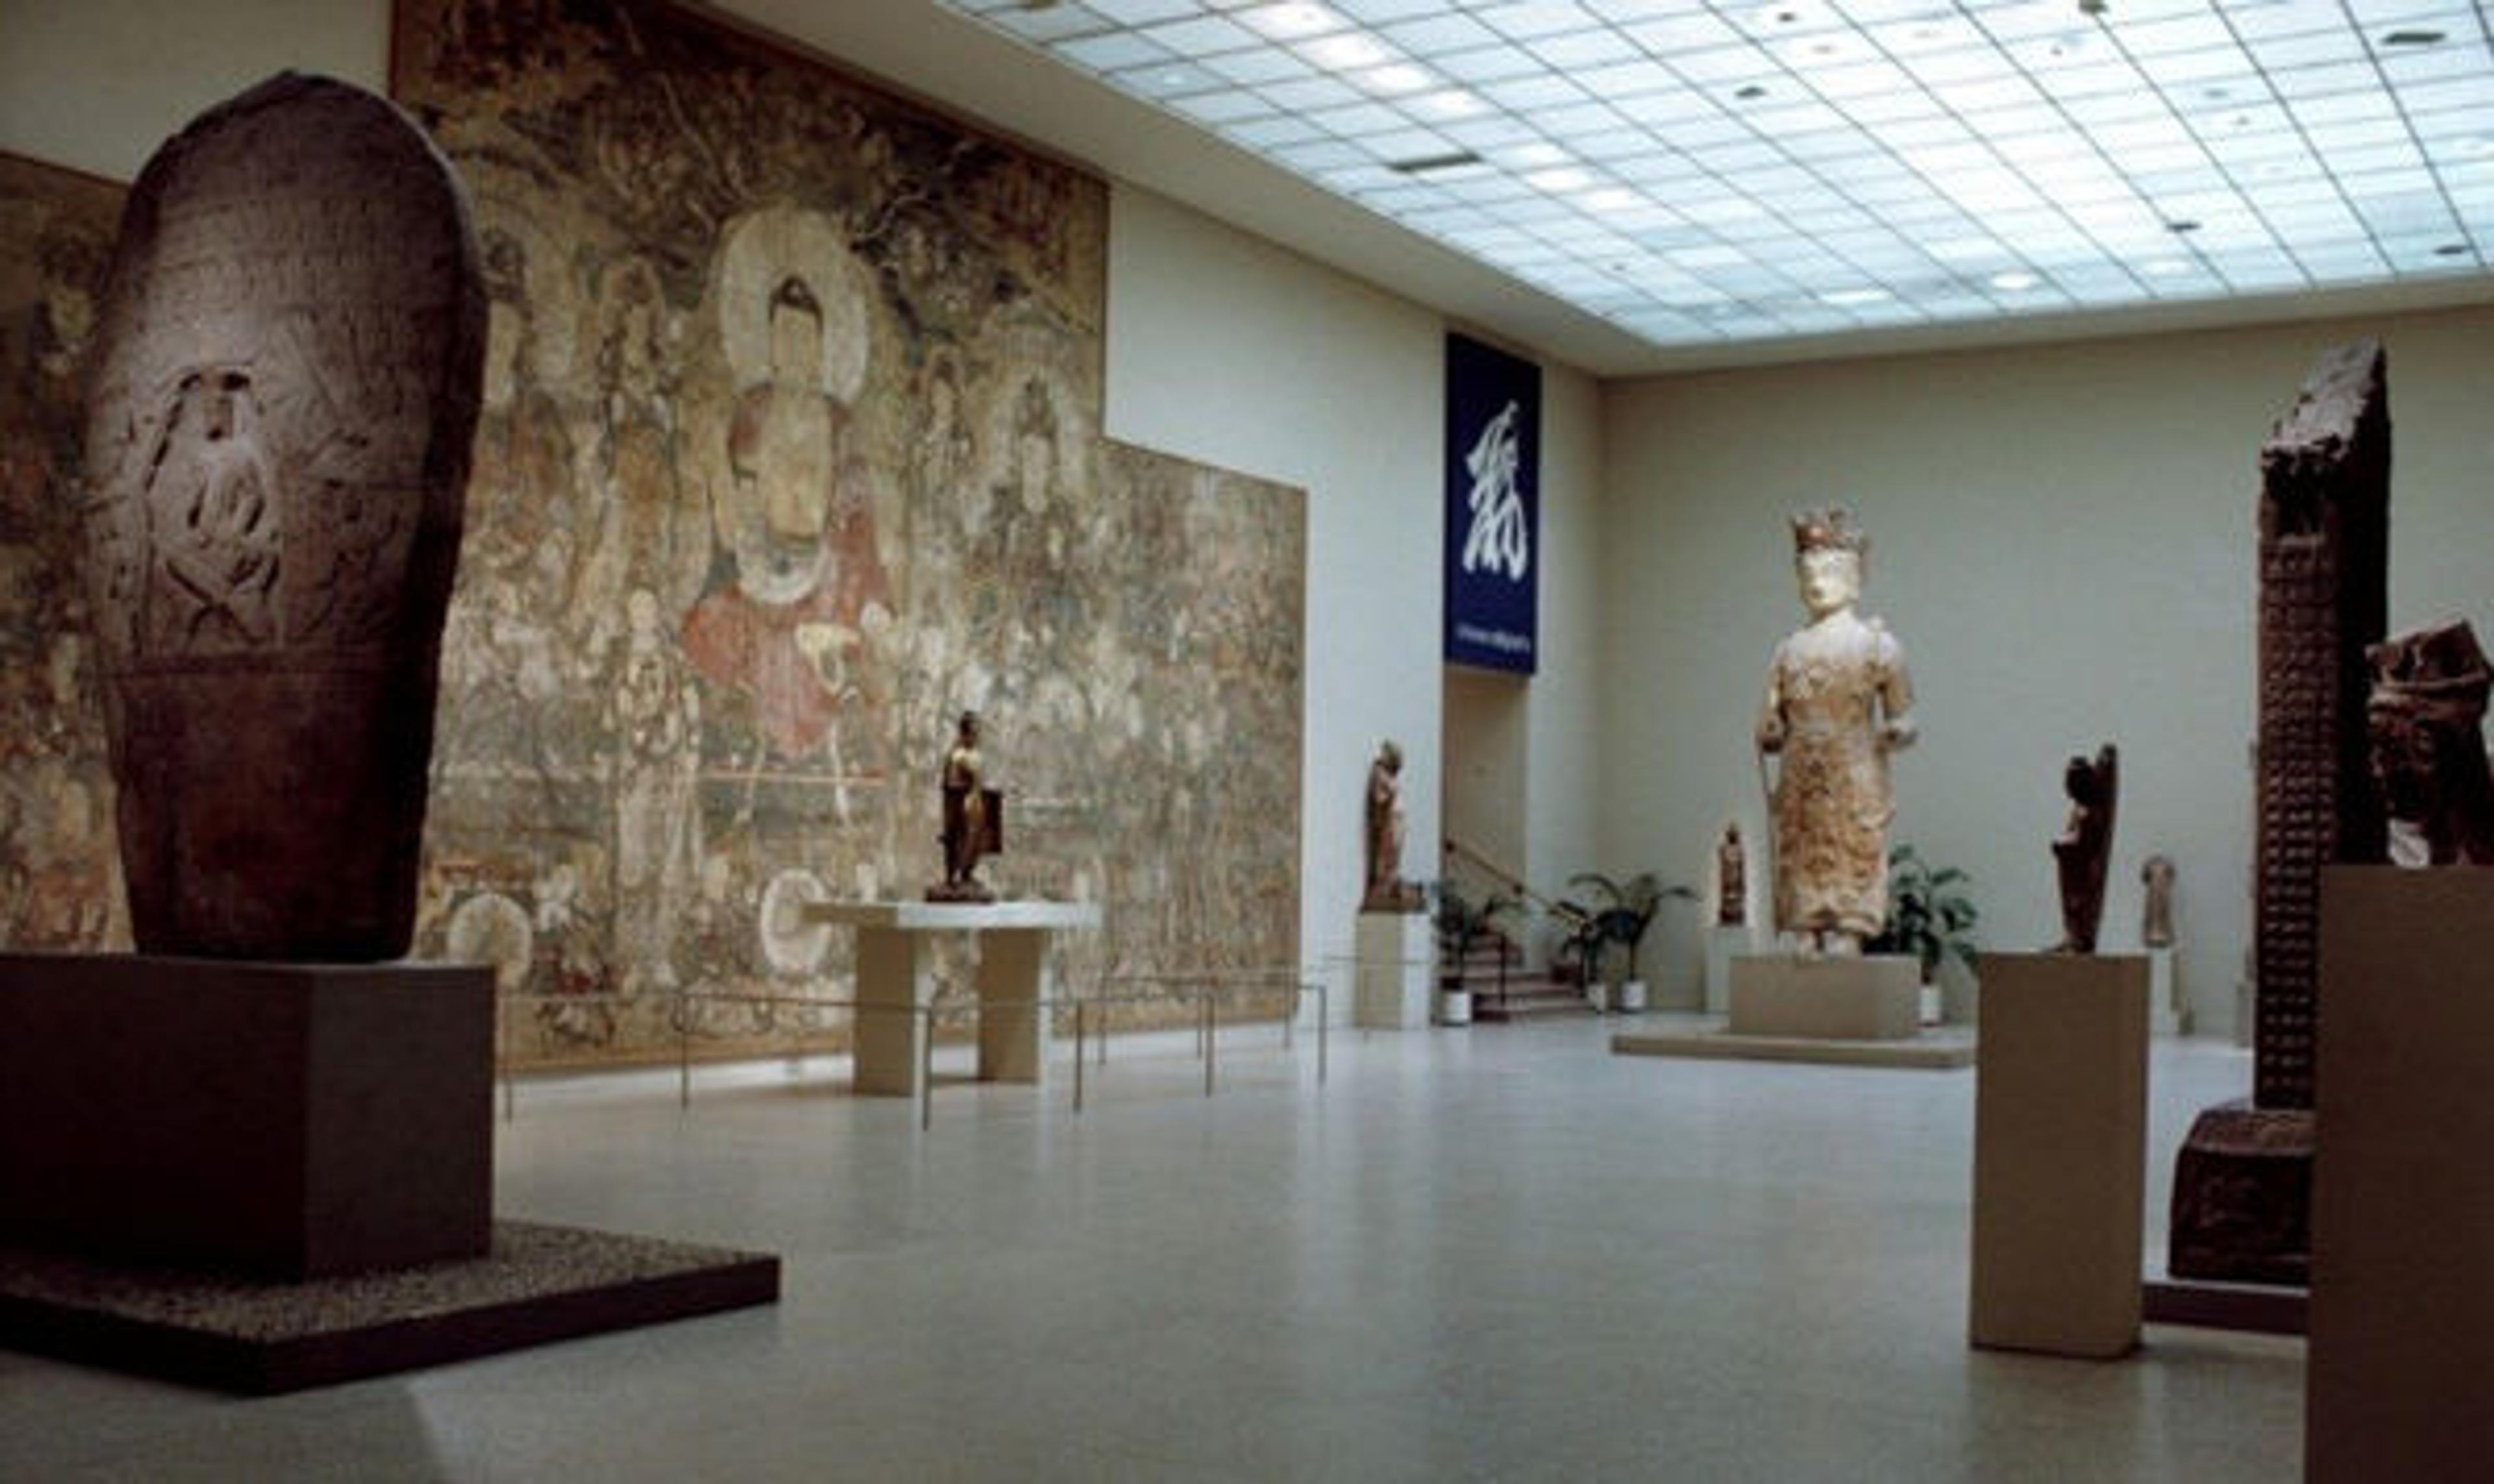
(1463, 923)
(1613, 926)
(1930, 916)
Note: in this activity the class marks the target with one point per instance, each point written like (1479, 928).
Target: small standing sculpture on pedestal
(2425, 717)
(2084, 847)
(1387, 891)
(1837, 703)
(973, 819)
(2156, 916)
(1731, 880)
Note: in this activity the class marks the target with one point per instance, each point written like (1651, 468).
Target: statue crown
(1829, 529)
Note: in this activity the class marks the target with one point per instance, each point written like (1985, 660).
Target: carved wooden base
(2242, 1196)
(960, 892)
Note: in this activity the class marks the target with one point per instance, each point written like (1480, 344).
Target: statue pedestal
(290, 1120)
(2061, 1139)
(2402, 1314)
(895, 985)
(2165, 1016)
(1724, 943)
(1868, 997)
(1396, 953)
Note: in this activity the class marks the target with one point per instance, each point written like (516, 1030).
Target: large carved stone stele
(2324, 534)
(2241, 1184)
(284, 388)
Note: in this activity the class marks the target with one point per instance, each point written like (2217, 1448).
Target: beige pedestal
(2402, 1319)
(894, 984)
(1396, 952)
(2165, 1017)
(291, 1120)
(1723, 944)
(1876, 997)
(2061, 1137)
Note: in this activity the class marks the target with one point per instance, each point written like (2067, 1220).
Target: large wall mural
(790, 452)
(60, 870)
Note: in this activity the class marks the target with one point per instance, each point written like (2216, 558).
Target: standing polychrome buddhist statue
(283, 389)
(1837, 701)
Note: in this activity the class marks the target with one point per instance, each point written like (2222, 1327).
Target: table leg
(1013, 1026)
(891, 985)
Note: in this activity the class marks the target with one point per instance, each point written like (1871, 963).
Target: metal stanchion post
(1078, 1056)
(684, 1054)
(926, 1072)
(1325, 1015)
(1211, 1008)
(511, 1091)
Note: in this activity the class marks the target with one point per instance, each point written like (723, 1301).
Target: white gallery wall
(2062, 536)
(1226, 349)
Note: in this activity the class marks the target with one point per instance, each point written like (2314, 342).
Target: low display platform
(1939, 1048)
(1856, 998)
(537, 1285)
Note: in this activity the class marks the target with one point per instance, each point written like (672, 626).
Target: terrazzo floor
(1486, 1253)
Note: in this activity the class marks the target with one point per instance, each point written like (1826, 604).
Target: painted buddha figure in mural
(809, 587)
(1837, 701)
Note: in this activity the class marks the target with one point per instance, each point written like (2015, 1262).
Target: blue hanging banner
(1493, 505)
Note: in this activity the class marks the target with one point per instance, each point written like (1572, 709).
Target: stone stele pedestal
(1870, 997)
(1396, 955)
(2402, 1313)
(281, 1119)
(2061, 1139)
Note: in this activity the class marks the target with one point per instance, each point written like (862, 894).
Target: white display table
(894, 984)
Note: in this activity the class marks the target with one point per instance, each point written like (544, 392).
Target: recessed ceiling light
(1394, 78)
(1613, 198)
(2165, 267)
(1347, 50)
(1564, 177)
(2014, 283)
(1449, 102)
(1294, 19)
(1536, 154)
(1853, 298)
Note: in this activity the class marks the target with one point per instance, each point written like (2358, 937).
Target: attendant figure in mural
(656, 720)
(800, 525)
(2083, 848)
(1731, 880)
(972, 822)
(2156, 914)
(1837, 703)
(1387, 891)
(2425, 714)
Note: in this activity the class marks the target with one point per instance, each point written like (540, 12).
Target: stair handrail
(1500, 875)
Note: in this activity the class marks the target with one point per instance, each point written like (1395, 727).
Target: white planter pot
(1631, 996)
(1454, 1007)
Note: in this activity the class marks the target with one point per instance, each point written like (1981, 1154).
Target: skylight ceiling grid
(1698, 171)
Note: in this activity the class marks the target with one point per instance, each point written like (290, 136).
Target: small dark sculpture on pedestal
(2425, 717)
(2085, 846)
(1387, 890)
(2156, 914)
(974, 819)
(283, 391)
(1731, 880)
